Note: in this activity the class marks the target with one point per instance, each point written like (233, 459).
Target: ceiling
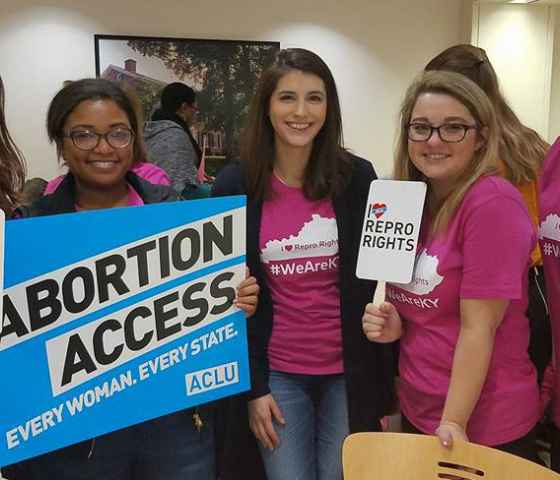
(540, 2)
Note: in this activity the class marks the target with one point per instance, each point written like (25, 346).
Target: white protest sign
(390, 231)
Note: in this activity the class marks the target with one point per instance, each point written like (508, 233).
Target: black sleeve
(170, 195)
(229, 181)
(364, 173)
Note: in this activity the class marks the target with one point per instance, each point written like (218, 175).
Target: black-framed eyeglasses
(119, 137)
(447, 132)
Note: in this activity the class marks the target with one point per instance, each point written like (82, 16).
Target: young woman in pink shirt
(549, 238)
(311, 366)
(464, 368)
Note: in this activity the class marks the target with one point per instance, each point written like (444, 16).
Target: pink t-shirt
(134, 200)
(148, 171)
(549, 237)
(299, 251)
(484, 254)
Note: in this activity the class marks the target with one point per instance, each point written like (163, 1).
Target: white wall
(519, 42)
(554, 124)
(373, 47)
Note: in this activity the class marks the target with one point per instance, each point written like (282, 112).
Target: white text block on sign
(390, 231)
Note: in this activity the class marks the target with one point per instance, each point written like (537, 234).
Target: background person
(169, 140)
(464, 368)
(32, 190)
(521, 152)
(315, 378)
(549, 235)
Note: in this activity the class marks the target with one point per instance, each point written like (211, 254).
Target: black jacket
(368, 367)
(63, 199)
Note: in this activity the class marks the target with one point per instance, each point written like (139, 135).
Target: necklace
(284, 181)
(279, 177)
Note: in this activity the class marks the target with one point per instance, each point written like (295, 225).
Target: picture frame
(223, 73)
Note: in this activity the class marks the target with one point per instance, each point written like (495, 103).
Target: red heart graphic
(379, 209)
(288, 248)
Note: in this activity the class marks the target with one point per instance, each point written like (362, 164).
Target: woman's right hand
(382, 323)
(448, 432)
(262, 412)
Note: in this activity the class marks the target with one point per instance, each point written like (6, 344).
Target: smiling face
(442, 163)
(104, 167)
(297, 110)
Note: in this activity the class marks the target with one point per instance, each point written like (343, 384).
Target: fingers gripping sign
(247, 294)
(382, 323)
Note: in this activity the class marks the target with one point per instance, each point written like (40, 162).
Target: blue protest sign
(114, 317)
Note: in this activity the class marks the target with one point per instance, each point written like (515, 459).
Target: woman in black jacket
(314, 376)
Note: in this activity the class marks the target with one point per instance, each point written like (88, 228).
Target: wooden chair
(400, 456)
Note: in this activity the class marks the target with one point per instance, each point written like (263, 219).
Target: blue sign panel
(114, 317)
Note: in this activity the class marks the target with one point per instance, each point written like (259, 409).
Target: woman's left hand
(448, 432)
(247, 297)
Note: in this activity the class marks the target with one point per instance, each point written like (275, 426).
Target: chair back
(401, 456)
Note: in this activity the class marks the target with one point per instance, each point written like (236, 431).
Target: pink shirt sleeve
(152, 173)
(498, 237)
(53, 185)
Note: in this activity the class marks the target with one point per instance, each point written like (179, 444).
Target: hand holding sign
(247, 295)
(382, 323)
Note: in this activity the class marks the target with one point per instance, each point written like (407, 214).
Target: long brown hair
(484, 161)
(12, 163)
(521, 149)
(328, 169)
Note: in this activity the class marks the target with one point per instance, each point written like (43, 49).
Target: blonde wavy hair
(521, 149)
(485, 158)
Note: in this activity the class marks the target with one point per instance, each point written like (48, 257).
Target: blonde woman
(464, 368)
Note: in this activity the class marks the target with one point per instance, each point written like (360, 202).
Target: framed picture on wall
(223, 73)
